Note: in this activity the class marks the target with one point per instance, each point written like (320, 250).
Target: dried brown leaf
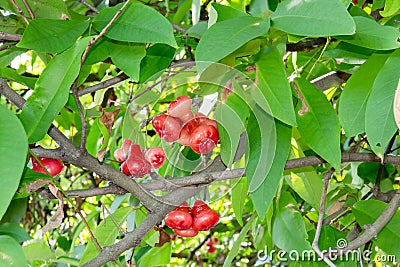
(32, 187)
(55, 220)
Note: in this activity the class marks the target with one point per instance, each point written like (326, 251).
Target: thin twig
(75, 87)
(113, 219)
(103, 31)
(90, 231)
(315, 246)
(377, 187)
(19, 10)
(107, 83)
(319, 58)
(29, 9)
(178, 28)
(95, 10)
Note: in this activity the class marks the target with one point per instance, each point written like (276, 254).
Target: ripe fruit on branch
(204, 138)
(167, 127)
(186, 233)
(186, 132)
(181, 108)
(156, 156)
(136, 165)
(53, 166)
(204, 218)
(179, 218)
(121, 153)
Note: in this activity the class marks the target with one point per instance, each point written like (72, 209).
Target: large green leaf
(137, 23)
(261, 148)
(226, 36)
(353, 100)
(274, 86)
(262, 197)
(371, 34)
(289, 229)
(14, 230)
(13, 149)
(157, 59)
(379, 119)
(234, 109)
(50, 9)
(239, 195)
(391, 8)
(127, 56)
(308, 185)
(367, 212)
(51, 91)
(313, 18)
(52, 36)
(11, 252)
(319, 125)
(233, 252)
(156, 256)
(105, 233)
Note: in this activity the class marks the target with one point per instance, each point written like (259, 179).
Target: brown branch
(315, 246)
(19, 10)
(75, 87)
(95, 10)
(372, 231)
(306, 45)
(29, 9)
(102, 85)
(90, 231)
(178, 28)
(10, 37)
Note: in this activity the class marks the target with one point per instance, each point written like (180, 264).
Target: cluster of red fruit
(137, 162)
(187, 222)
(181, 125)
(53, 166)
(210, 244)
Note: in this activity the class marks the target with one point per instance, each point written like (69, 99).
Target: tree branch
(315, 246)
(10, 37)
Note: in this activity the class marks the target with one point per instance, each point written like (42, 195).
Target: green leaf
(137, 23)
(274, 86)
(50, 9)
(371, 34)
(233, 252)
(51, 91)
(105, 233)
(308, 185)
(353, 100)
(379, 119)
(15, 231)
(38, 251)
(226, 12)
(289, 230)
(239, 195)
(234, 109)
(261, 148)
(127, 57)
(391, 8)
(319, 125)
(367, 212)
(262, 197)
(313, 18)
(12, 156)
(11, 74)
(52, 36)
(227, 36)
(11, 252)
(156, 256)
(157, 59)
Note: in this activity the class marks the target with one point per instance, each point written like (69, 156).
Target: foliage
(303, 93)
